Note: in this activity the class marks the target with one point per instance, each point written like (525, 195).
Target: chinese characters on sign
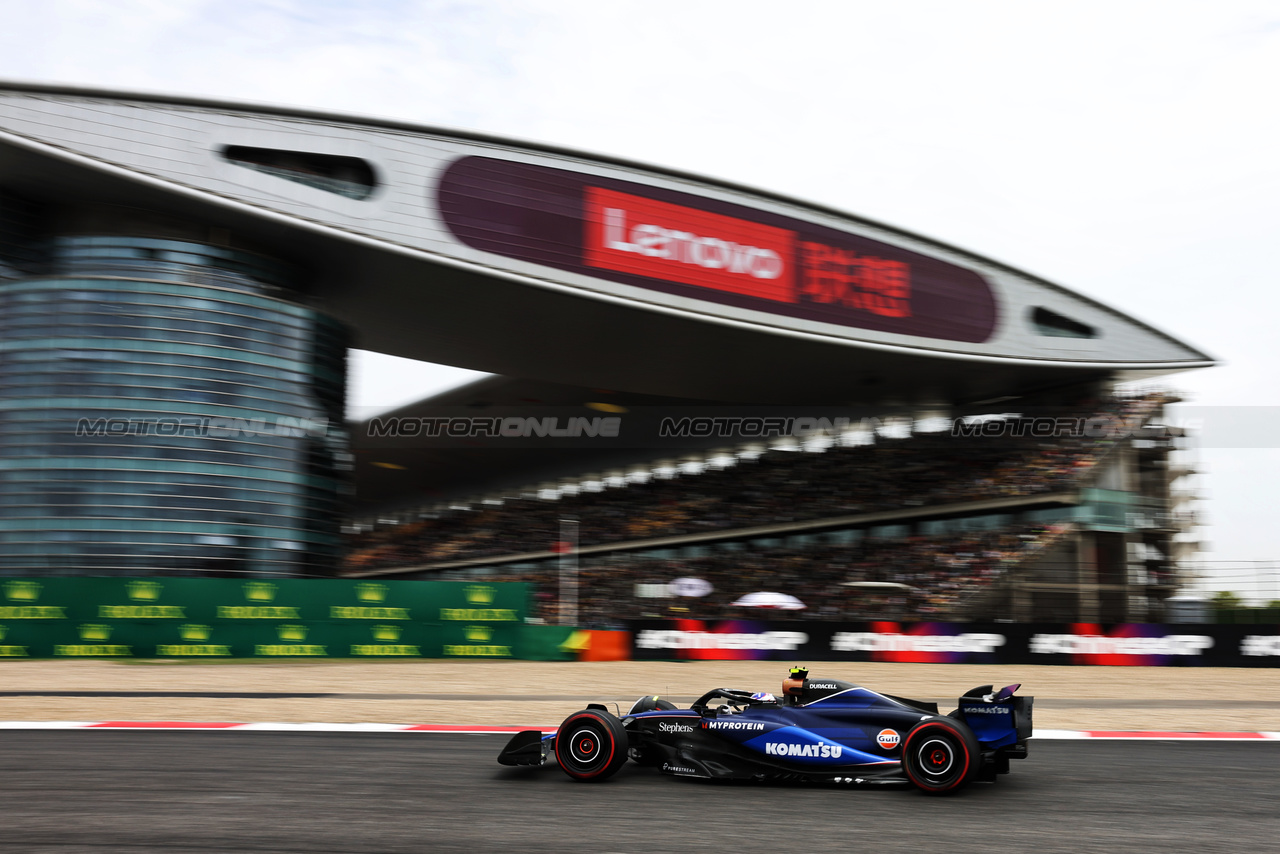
(633, 234)
(842, 277)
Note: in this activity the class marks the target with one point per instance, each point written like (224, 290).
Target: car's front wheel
(591, 745)
(940, 755)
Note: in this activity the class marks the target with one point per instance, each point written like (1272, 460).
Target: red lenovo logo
(632, 234)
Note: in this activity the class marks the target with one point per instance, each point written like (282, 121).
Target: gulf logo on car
(888, 738)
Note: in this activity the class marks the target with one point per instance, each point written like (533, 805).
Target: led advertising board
(693, 246)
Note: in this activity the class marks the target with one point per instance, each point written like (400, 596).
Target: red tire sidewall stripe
(911, 739)
(612, 746)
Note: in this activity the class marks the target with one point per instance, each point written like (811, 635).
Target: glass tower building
(169, 403)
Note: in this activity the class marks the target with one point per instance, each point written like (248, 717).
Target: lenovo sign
(632, 234)
(703, 248)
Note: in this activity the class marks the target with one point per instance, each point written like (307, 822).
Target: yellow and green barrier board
(285, 618)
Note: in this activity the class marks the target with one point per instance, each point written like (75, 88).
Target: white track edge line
(477, 729)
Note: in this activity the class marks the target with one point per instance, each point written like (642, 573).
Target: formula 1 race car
(822, 730)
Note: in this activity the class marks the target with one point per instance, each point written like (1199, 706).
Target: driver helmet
(764, 697)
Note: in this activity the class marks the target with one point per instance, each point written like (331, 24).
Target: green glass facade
(166, 406)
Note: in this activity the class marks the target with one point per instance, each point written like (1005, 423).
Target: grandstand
(1006, 525)
(180, 280)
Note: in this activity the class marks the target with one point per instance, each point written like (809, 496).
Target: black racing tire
(940, 755)
(591, 745)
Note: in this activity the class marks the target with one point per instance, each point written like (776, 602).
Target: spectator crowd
(931, 574)
(778, 487)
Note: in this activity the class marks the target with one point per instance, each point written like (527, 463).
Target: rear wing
(997, 718)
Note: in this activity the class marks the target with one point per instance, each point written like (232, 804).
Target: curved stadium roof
(539, 262)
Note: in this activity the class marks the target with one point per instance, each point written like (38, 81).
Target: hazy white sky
(1127, 150)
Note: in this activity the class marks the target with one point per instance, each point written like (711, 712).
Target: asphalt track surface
(98, 791)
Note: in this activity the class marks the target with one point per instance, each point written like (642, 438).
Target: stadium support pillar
(1087, 567)
(1020, 602)
(568, 548)
(1137, 602)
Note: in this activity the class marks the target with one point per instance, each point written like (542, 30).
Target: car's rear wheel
(940, 755)
(591, 745)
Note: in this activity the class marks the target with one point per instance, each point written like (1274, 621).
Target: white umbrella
(764, 599)
(690, 587)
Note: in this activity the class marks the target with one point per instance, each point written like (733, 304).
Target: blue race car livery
(821, 730)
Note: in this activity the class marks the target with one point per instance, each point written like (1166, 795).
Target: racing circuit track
(90, 791)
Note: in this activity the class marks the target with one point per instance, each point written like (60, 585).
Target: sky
(1126, 150)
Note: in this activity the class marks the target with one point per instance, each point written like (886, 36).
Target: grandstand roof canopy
(574, 269)
(573, 276)
(413, 471)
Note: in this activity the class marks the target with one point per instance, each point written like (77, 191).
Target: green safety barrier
(546, 643)
(286, 618)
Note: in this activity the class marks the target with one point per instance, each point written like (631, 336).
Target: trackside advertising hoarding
(286, 618)
(1138, 644)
